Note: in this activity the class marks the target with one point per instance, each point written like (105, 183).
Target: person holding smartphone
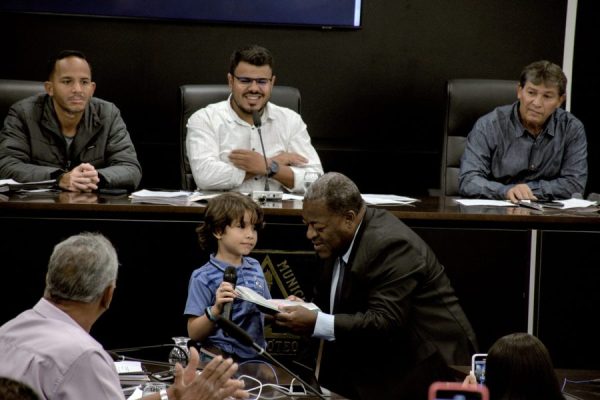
(519, 366)
(456, 391)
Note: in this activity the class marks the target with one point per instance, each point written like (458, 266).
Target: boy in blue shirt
(229, 233)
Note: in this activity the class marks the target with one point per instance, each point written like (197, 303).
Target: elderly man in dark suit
(390, 319)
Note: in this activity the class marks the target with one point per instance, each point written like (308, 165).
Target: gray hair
(338, 191)
(544, 72)
(81, 268)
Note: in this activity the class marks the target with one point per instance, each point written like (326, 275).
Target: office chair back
(466, 101)
(12, 90)
(194, 97)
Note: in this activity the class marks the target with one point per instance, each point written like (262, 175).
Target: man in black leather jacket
(68, 135)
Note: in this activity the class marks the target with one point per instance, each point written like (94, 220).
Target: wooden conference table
(514, 269)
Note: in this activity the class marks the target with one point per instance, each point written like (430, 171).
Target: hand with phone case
(457, 391)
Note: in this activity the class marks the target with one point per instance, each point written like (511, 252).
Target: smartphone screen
(478, 362)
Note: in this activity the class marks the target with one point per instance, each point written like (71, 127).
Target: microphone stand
(258, 124)
(263, 352)
(241, 335)
(115, 352)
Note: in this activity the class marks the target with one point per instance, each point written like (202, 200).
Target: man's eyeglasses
(244, 80)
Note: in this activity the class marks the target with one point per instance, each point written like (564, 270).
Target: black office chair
(466, 101)
(12, 90)
(194, 97)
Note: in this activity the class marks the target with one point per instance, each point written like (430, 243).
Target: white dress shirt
(324, 326)
(216, 130)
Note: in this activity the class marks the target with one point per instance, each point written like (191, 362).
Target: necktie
(338, 288)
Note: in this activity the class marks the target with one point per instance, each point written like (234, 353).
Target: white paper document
(269, 306)
(576, 203)
(485, 202)
(180, 197)
(129, 367)
(292, 196)
(391, 199)
(555, 205)
(10, 184)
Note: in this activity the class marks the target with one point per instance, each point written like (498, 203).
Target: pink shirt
(46, 349)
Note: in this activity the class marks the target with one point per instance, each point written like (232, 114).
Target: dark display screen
(324, 13)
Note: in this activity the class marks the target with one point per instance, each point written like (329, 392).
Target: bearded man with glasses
(224, 145)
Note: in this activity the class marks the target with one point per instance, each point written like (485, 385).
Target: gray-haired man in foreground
(49, 346)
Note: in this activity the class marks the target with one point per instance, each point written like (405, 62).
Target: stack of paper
(535, 204)
(131, 373)
(12, 185)
(180, 197)
(387, 199)
(269, 306)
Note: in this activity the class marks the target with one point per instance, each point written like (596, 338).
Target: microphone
(230, 275)
(267, 194)
(242, 336)
(257, 124)
(115, 356)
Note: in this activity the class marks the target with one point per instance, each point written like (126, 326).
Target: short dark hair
(221, 212)
(544, 72)
(338, 191)
(252, 54)
(64, 54)
(11, 389)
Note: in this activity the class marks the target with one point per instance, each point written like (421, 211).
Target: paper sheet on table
(369, 198)
(11, 184)
(158, 193)
(290, 196)
(575, 203)
(569, 203)
(180, 197)
(137, 394)
(128, 367)
(485, 202)
(375, 199)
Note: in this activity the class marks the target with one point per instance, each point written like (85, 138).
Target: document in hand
(269, 306)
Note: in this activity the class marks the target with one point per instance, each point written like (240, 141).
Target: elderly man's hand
(214, 383)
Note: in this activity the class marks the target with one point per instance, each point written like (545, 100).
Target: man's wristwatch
(273, 168)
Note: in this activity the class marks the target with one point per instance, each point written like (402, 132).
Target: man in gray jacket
(68, 135)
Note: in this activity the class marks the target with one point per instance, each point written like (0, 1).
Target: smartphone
(112, 191)
(478, 361)
(163, 376)
(550, 203)
(456, 391)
